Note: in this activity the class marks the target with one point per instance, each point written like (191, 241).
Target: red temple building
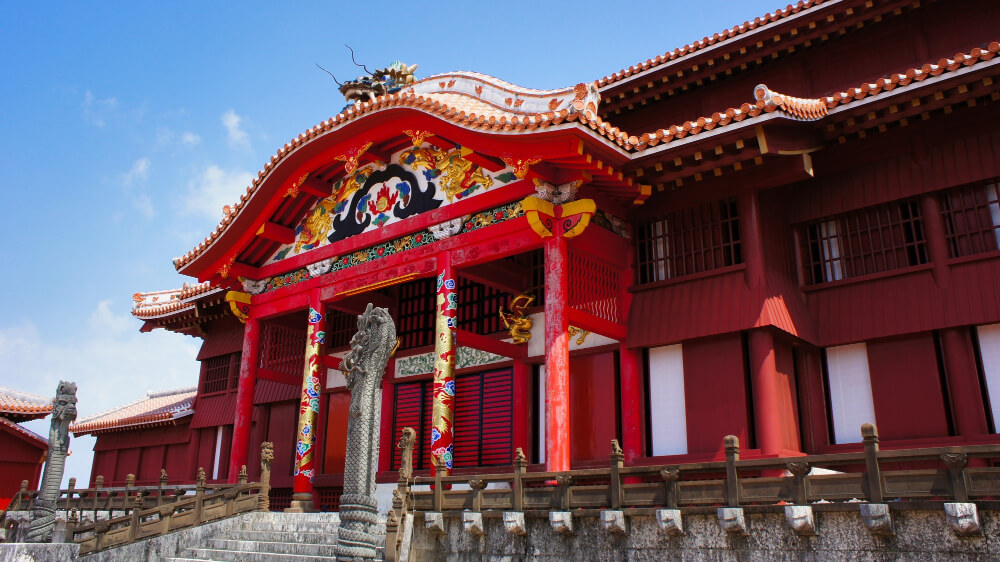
(779, 232)
(22, 451)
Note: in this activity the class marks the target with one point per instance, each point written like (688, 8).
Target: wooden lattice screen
(283, 349)
(689, 241)
(972, 219)
(594, 286)
(865, 241)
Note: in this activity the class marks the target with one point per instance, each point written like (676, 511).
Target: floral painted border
(423, 364)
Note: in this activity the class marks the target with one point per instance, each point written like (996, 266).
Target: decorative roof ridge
(499, 82)
(32, 399)
(724, 35)
(170, 392)
(809, 109)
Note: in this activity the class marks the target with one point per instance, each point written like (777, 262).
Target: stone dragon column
(363, 368)
(43, 516)
(305, 463)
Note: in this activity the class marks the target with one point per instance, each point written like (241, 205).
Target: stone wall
(840, 534)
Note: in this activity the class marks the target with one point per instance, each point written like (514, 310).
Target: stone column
(446, 321)
(249, 361)
(305, 446)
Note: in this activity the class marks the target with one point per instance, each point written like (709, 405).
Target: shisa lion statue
(43, 515)
(363, 367)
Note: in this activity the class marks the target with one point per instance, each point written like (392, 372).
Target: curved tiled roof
(716, 38)
(42, 442)
(16, 403)
(448, 97)
(158, 303)
(155, 409)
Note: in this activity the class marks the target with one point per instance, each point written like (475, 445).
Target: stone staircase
(283, 536)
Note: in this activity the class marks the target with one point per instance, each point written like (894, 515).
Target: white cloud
(165, 136)
(215, 188)
(97, 111)
(133, 184)
(111, 362)
(238, 138)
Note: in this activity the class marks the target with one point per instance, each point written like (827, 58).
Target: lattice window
(280, 499)
(329, 498)
(972, 219)
(283, 349)
(689, 241)
(416, 313)
(593, 286)
(534, 262)
(483, 419)
(479, 307)
(340, 328)
(866, 241)
(219, 373)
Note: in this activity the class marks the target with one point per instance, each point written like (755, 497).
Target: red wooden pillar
(630, 366)
(752, 238)
(766, 400)
(305, 446)
(443, 413)
(385, 427)
(249, 361)
(557, 427)
(967, 403)
(522, 406)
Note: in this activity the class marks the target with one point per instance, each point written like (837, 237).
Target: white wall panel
(668, 417)
(850, 391)
(989, 349)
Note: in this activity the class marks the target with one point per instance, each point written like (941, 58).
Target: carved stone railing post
(956, 463)
(266, 456)
(517, 488)
(199, 496)
(438, 500)
(242, 478)
(564, 481)
(70, 493)
(873, 476)
(160, 488)
(615, 485)
(732, 446)
(671, 475)
(799, 471)
(134, 529)
(71, 522)
(127, 494)
(400, 496)
(98, 483)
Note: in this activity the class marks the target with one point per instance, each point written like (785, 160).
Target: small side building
(22, 451)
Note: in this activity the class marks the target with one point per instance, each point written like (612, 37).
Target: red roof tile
(159, 303)
(155, 409)
(724, 35)
(21, 404)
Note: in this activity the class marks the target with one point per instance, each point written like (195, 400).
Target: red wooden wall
(21, 461)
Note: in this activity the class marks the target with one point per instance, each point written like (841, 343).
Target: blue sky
(127, 126)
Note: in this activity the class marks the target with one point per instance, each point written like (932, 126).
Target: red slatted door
(467, 420)
(497, 418)
(407, 412)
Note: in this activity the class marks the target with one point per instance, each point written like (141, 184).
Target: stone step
(291, 525)
(235, 556)
(272, 547)
(284, 536)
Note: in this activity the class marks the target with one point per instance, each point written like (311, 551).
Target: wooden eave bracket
(788, 138)
(276, 233)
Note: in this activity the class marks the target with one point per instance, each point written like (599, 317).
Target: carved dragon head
(64, 404)
(371, 346)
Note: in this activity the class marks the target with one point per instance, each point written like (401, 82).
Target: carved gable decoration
(415, 180)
